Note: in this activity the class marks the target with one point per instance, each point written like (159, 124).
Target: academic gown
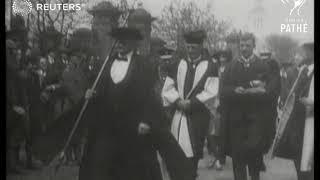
(198, 83)
(291, 144)
(246, 116)
(114, 149)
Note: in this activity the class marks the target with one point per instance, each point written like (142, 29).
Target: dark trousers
(106, 158)
(193, 163)
(240, 168)
(303, 175)
(215, 148)
(15, 135)
(178, 165)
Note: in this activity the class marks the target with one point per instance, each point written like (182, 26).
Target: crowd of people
(41, 85)
(230, 102)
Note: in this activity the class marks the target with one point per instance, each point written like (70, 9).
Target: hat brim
(195, 37)
(126, 34)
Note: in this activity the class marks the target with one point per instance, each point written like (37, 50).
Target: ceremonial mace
(61, 155)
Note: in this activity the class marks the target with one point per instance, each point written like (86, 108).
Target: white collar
(119, 69)
(247, 60)
(129, 55)
(195, 61)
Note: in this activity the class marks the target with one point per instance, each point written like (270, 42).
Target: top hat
(126, 33)
(195, 37)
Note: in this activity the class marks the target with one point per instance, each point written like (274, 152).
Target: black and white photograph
(159, 89)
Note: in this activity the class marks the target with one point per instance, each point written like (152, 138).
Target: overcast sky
(238, 11)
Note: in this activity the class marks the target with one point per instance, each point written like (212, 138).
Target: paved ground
(278, 169)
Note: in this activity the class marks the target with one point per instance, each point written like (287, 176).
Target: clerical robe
(197, 82)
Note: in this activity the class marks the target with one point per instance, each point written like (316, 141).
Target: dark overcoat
(245, 116)
(114, 149)
(273, 87)
(40, 111)
(15, 96)
(290, 145)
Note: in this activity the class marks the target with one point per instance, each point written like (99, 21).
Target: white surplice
(170, 94)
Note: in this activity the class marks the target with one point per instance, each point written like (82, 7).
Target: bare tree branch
(179, 17)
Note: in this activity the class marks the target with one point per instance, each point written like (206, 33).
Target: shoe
(211, 164)
(263, 167)
(218, 166)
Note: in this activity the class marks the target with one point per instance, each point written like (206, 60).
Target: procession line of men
(126, 129)
(128, 125)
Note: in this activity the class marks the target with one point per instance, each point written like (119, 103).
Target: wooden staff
(285, 114)
(61, 155)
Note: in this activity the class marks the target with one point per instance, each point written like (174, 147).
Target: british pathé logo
(295, 5)
(294, 23)
(22, 7)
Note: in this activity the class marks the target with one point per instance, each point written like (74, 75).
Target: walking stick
(79, 117)
(59, 158)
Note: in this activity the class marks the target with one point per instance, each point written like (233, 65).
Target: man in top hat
(129, 123)
(244, 87)
(297, 141)
(190, 83)
(119, 142)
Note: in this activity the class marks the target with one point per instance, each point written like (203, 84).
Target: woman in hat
(216, 131)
